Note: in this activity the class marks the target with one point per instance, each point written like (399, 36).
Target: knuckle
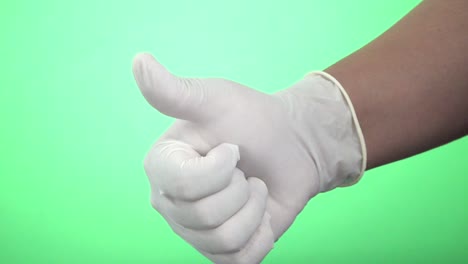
(155, 203)
(205, 217)
(230, 241)
(182, 189)
(180, 185)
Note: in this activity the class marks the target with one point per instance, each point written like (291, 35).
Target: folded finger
(254, 251)
(232, 235)
(211, 211)
(177, 170)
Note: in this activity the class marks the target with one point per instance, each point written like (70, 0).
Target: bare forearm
(409, 87)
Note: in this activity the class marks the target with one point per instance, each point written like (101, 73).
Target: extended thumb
(183, 98)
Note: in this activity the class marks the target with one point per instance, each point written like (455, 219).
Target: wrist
(356, 126)
(323, 119)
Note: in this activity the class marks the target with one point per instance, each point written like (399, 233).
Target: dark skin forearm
(409, 87)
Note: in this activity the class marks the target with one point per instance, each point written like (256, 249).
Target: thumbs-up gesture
(238, 165)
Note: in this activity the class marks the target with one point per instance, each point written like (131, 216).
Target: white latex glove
(237, 166)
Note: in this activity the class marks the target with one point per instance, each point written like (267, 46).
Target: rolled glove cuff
(357, 127)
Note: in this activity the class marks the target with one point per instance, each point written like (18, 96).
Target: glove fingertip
(235, 150)
(228, 151)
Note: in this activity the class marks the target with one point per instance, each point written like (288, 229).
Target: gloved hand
(238, 165)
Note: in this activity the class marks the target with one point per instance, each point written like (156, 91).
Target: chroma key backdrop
(74, 130)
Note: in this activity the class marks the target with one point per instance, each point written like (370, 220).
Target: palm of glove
(230, 201)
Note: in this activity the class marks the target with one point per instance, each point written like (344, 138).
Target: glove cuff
(357, 127)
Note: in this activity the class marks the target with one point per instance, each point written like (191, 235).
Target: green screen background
(75, 129)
